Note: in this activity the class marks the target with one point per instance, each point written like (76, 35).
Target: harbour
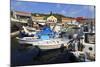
(31, 55)
(51, 38)
(27, 56)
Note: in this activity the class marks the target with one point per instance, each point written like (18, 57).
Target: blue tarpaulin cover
(46, 33)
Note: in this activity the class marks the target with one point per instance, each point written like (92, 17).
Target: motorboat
(27, 32)
(44, 39)
(89, 45)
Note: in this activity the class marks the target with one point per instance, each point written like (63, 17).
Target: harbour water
(34, 56)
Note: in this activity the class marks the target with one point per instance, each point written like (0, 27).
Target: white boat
(89, 45)
(44, 44)
(43, 39)
(27, 32)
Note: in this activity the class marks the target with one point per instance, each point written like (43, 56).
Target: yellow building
(51, 19)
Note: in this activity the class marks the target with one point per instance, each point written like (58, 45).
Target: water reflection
(34, 56)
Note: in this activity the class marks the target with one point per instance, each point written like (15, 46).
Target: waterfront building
(21, 16)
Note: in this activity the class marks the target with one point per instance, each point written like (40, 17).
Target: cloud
(63, 12)
(15, 4)
(73, 12)
(58, 5)
(23, 5)
(91, 10)
(84, 11)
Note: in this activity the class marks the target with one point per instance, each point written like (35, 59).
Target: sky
(70, 10)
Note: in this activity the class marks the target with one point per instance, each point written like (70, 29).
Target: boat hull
(49, 47)
(46, 44)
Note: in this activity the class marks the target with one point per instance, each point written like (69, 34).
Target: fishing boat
(88, 41)
(44, 39)
(89, 45)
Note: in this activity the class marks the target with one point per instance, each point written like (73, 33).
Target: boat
(44, 39)
(86, 38)
(27, 32)
(89, 45)
(88, 41)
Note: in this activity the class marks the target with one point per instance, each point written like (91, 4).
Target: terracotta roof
(23, 13)
(68, 18)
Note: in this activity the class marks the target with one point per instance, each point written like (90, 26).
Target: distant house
(46, 18)
(87, 21)
(67, 19)
(38, 18)
(51, 19)
(20, 16)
